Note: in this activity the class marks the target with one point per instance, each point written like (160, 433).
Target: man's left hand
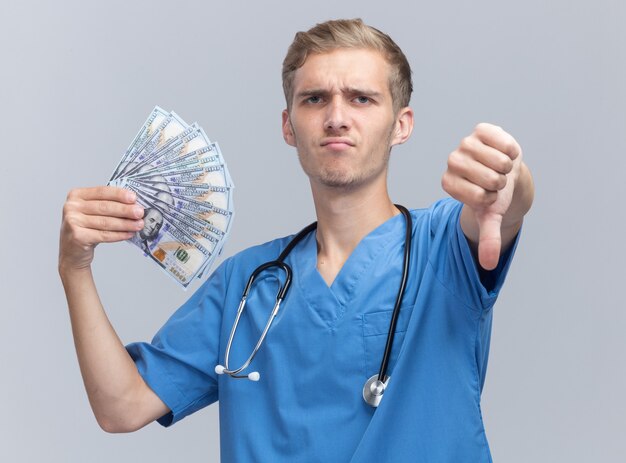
(484, 173)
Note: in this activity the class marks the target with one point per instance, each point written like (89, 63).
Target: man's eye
(313, 99)
(362, 99)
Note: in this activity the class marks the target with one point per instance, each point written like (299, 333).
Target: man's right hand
(96, 215)
(119, 397)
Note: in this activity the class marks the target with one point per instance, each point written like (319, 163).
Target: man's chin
(338, 180)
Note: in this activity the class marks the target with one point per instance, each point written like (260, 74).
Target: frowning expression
(342, 120)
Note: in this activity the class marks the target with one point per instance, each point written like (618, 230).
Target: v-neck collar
(330, 303)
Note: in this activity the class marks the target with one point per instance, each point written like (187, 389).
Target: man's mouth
(337, 143)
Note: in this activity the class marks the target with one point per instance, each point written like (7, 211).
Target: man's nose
(337, 114)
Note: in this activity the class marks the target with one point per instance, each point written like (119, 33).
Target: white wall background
(78, 78)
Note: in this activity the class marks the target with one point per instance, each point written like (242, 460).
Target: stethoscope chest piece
(374, 389)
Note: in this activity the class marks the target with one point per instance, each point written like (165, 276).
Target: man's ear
(288, 135)
(404, 126)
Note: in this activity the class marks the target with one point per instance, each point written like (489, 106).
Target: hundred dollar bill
(210, 174)
(196, 191)
(146, 161)
(170, 152)
(194, 158)
(212, 204)
(181, 179)
(174, 249)
(155, 118)
(183, 162)
(214, 216)
(171, 126)
(193, 226)
(193, 150)
(210, 238)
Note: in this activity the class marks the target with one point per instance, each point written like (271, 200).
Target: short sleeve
(453, 261)
(178, 365)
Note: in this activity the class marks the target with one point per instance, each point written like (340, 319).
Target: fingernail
(139, 224)
(131, 196)
(138, 211)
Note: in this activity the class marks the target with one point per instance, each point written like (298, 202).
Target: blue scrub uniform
(326, 342)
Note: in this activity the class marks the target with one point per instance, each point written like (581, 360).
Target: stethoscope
(375, 386)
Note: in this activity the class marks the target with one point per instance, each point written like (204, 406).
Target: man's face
(342, 120)
(152, 224)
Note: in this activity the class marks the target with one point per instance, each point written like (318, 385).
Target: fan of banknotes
(182, 182)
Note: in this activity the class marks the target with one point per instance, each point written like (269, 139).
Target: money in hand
(182, 182)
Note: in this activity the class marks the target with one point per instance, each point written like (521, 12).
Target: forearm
(111, 379)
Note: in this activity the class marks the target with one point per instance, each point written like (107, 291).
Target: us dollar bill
(214, 216)
(153, 121)
(181, 179)
(174, 249)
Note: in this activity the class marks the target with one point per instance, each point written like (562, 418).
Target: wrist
(68, 271)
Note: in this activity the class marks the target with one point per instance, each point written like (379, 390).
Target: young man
(347, 88)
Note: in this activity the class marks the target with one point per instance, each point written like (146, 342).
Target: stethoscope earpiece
(221, 369)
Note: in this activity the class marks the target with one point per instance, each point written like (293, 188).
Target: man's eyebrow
(346, 90)
(361, 91)
(311, 91)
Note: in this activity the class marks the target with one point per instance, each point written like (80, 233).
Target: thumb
(489, 240)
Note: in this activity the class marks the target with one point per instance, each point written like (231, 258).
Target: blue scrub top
(327, 341)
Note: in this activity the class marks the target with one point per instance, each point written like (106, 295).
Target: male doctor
(347, 88)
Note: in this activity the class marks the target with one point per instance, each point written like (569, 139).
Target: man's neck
(344, 218)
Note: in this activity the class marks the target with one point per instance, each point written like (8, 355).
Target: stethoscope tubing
(375, 386)
(242, 304)
(384, 364)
